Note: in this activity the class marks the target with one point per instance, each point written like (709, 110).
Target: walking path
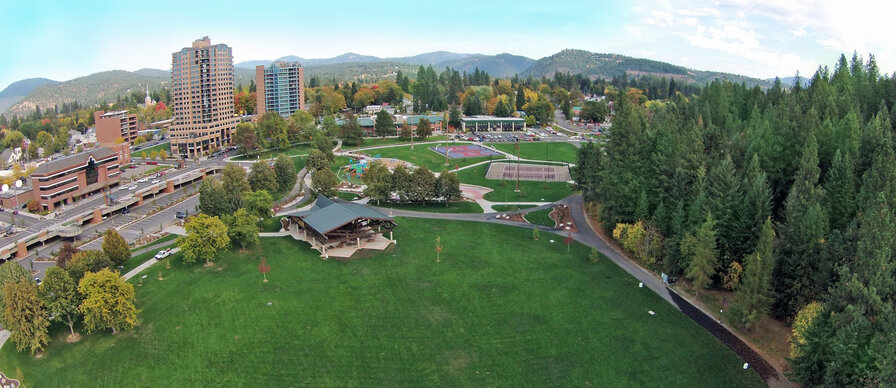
(145, 265)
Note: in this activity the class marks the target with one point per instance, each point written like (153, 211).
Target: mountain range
(22, 96)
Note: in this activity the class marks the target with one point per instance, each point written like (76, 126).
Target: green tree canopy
(206, 238)
(115, 248)
(109, 301)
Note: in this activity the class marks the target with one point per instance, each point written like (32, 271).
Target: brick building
(112, 125)
(202, 104)
(71, 178)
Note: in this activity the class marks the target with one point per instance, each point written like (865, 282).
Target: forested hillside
(785, 196)
(606, 66)
(91, 89)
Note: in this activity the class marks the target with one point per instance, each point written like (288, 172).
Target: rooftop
(73, 160)
(327, 215)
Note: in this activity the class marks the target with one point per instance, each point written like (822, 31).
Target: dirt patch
(72, 338)
(563, 218)
(517, 217)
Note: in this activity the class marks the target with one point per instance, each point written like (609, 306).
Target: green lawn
(421, 155)
(504, 190)
(453, 207)
(158, 147)
(135, 261)
(295, 150)
(541, 217)
(511, 312)
(271, 224)
(536, 150)
(510, 208)
(378, 141)
(347, 196)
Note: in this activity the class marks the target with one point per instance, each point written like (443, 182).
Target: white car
(154, 181)
(143, 180)
(162, 254)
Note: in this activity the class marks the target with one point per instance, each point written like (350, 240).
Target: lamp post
(15, 196)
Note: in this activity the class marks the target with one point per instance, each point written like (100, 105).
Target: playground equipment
(356, 169)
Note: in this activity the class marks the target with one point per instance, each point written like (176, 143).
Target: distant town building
(374, 109)
(202, 104)
(492, 123)
(147, 101)
(10, 156)
(112, 125)
(71, 178)
(280, 88)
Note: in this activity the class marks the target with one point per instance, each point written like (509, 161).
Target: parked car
(37, 280)
(162, 254)
(143, 180)
(154, 181)
(180, 215)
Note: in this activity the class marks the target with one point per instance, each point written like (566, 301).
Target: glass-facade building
(280, 88)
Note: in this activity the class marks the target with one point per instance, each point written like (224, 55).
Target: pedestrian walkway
(144, 266)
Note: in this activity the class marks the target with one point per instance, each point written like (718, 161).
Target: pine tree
(841, 191)
(701, 248)
(754, 291)
(797, 279)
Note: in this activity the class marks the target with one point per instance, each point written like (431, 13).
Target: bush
(33, 206)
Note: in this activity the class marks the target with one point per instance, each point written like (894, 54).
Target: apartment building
(202, 104)
(280, 88)
(113, 125)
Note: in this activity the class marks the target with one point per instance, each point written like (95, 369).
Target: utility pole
(517, 166)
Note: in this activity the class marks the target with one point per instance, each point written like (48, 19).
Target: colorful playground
(465, 151)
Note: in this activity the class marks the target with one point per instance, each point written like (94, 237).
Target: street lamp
(15, 196)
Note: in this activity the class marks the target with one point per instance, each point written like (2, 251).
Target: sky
(62, 39)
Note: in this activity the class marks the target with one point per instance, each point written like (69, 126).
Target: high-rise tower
(202, 98)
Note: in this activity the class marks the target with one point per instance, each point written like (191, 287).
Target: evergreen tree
(841, 191)
(263, 178)
(754, 291)
(587, 169)
(115, 247)
(285, 172)
(701, 248)
(384, 125)
(797, 277)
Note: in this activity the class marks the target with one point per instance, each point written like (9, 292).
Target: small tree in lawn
(115, 248)
(264, 268)
(242, 228)
(535, 234)
(60, 296)
(108, 301)
(206, 238)
(594, 256)
(25, 316)
(438, 248)
(424, 129)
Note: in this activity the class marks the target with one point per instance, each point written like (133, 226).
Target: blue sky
(62, 40)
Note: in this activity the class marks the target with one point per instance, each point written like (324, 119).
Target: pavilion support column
(359, 242)
(390, 238)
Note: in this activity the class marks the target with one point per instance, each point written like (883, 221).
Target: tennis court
(464, 151)
(528, 172)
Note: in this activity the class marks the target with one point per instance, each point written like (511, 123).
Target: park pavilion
(339, 229)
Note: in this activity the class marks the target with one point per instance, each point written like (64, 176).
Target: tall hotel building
(202, 84)
(280, 88)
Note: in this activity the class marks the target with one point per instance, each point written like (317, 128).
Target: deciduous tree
(115, 248)
(262, 177)
(324, 182)
(206, 238)
(24, 315)
(285, 172)
(108, 301)
(60, 295)
(242, 228)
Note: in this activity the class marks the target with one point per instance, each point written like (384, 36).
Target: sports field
(540, 150)
(530, 191)
(421, 155)
(511, 312)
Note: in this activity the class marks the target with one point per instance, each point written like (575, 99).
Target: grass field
(158, 147)
(510, 208)
(536, 150)
(135, 261)
(295, 150)
(541, 217)
(453, 207)
(271, 224)
(378, 141)
(421, 155)
(480, 317)
(504, 190)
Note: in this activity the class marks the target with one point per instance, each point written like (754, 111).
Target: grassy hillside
(18, 90)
